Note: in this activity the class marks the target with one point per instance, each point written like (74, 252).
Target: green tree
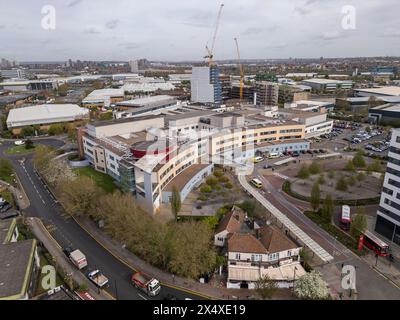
(29, 144)
(315, 196)
(218, 173)
(350, 166)
(375, 166)
(358, 159)
(56, 129)
(266, 287)
(361, 176)
(304, 173)
(175, 200)
(314, 168)
(359, 223)
(328, 209)
(212, 181)
(6, 170)
(206, 189)
(341, 184)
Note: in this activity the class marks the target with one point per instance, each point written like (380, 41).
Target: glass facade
(127, 176)
(216, 81)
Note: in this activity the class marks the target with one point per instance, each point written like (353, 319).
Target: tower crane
(240, 69)
(210, 51)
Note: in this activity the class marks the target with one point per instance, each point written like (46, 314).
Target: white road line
(142, 296)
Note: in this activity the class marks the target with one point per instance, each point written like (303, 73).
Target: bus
(345, 218)
(377, 245)
(257, 183)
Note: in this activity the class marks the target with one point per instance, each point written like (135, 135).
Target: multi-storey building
(267, 93)
(149, 155)
(388, 215)
(206, 85)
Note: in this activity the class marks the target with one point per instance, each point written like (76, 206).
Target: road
(370, 284)
(68, 233)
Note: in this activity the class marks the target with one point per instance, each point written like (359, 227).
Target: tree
(212, 181)
(321, 179)
(6, 169)
(304, 173)
(314, 168)
(351, 181)
(218, 173)
(176, 203)
(266, 287)
(63, 89)
(56, 129)
(42, 157)
(311, 286)
(29, 144)
(341, 184)
(331, 174)
(350, 166)
(328, 209)
(315, 196)
(206, 189)
(359, 223)
(80, 195)
(358, 159)
(361, 176)
(375, 166)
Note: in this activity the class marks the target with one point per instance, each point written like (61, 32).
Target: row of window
(258, 257)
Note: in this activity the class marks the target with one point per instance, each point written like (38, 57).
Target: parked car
(19, 142)
(9, 214)
(5, 206)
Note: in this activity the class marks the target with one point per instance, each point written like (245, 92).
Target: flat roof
(385, 91)
(16, 260)
(147, 100)
(45, 113)
(101, 94)
(326, 81)
(184, 177)
(6, 227)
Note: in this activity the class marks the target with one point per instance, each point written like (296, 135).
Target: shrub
(212, 181)
(229, 185)
(341, 185)
(314, 168)
(205, 189)
(223, 179)
(304, 173)
(218, 173)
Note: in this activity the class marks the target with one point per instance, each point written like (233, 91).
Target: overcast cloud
(179, 29)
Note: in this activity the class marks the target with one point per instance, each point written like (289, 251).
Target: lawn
(102, 180)
(19, 150)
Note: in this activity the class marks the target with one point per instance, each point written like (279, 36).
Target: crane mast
(210, 51)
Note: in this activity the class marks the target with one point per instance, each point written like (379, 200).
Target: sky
(177, 30)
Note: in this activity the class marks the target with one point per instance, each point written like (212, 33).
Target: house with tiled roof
(267, 253)
(230, 223)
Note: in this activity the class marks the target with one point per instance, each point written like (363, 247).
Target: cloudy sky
(179, 29)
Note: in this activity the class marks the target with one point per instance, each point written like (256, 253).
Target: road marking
(142, 296)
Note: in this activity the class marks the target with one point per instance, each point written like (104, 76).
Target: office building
(134, 65)
(206, 85)
(388, 215)
(328, 85)
(267, 93)
(386, 114)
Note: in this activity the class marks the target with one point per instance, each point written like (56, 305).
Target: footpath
(44, 237)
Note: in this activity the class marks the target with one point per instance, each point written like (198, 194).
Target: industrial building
(14, 73)
(387, 114)
(28, 85)
(206, 85)
(141, 106)
(311, 105)
(44, 115)
(378, 92)
(328, 85)
(388, 215)
(103, 98)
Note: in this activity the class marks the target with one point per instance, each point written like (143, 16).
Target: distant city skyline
(179, 30)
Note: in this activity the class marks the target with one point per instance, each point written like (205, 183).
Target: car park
(9, 214)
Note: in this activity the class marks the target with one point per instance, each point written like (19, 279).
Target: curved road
(68, 233)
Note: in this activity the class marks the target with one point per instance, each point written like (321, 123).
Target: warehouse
(328, 84)
(387, 114)
(44, 115)
(378, 92)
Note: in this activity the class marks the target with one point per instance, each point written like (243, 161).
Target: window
(289, 253)
(237, 256)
